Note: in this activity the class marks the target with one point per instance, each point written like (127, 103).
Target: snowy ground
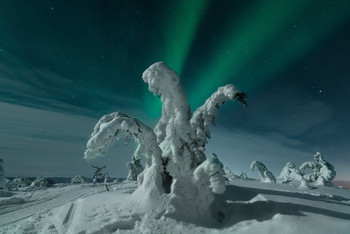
(245, 207)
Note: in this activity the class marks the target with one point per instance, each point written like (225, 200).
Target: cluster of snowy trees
(232, 176)
(322, 172)
(177, 170)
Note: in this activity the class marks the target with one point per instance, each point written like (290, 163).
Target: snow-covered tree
(290, 173)
(265, 175)
(17, 182)
(322, 173)
(42, 182)
(79, 179)
(178, 178)
(98, 176)
(135, 169)
(243, 176)
(106, 178)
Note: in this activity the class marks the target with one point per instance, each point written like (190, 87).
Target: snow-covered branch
(117, 125)
(205, 115)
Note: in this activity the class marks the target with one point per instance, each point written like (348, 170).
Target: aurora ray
(180, 27)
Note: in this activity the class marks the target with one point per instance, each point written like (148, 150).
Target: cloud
(42, 88)
(288, 110)
(37, 142)
(237, 149)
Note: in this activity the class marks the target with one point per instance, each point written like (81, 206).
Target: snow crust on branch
(174, 133)
(265, 175)
(205, 115)
(116, 126)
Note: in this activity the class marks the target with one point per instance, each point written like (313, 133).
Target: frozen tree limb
(205, 115)
(117, 125)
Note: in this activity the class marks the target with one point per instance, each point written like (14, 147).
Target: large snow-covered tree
(178, 178)
(290, 173)
(323, 172)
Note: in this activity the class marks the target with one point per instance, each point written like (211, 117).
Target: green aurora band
(259, 30)
(179, 31)
(300, 25)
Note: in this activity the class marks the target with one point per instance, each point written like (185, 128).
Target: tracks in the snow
(42, 205)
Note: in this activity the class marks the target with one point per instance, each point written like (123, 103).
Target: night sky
(64, 64)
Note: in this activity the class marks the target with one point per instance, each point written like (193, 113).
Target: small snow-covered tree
(79, 179)
(98, 176)
(322, 173)
(178, 178)
(42, 182)
(106, 178)
(135, 169)
(265, 175)
(290, 173)
(243, 176)
(230, 175)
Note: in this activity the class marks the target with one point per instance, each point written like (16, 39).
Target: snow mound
(246, 206)
(79, 179)
(42, 182)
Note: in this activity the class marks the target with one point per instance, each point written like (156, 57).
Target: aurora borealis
(84, 59)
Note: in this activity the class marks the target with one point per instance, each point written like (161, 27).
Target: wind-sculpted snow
(177, 173)
(249, 207)
(265, 175)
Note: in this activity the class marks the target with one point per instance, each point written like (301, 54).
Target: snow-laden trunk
(182, 138)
